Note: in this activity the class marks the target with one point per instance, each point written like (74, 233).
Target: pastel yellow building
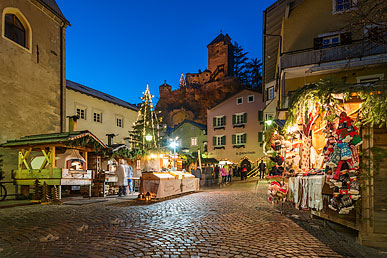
(306, 41)
(100, 113)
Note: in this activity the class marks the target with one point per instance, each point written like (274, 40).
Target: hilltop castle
(199, 91)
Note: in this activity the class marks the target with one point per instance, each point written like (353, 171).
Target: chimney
(72, 123)
(110, 138)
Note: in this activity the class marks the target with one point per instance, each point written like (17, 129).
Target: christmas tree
(146, 130)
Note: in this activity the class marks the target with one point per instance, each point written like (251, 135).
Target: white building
(100, 113)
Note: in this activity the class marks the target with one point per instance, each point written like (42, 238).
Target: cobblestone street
(234, 221)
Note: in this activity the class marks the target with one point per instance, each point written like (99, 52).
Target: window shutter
(224, 120)
(224, 140)
(214, 141)
(233, 139)
(245, 118)
(214, 121)
(233, 119)
(260, 137)
(260, 115)
(346, 38)
(244, 138)
(317, 43)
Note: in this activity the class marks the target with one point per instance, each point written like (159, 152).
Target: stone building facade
(202, 89)
(32, 71)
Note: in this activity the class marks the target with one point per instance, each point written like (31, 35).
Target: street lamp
(173, 144)
(148, 137)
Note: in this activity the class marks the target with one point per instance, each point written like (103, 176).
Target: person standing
(122, 181)
(244, 173)
(230, 173)
(216, 172)
(223, 173)
(130, 179)
(262, 168)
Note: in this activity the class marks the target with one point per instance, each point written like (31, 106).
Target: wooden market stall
(57, 159)
(341, 161)
(164, 184)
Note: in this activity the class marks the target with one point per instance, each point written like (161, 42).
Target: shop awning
(280, 122)
(81, 139)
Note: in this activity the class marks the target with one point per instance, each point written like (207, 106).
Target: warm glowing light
(148, 138)
(269, 122)
(153, 156)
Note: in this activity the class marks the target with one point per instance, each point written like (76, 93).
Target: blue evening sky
(119, 46)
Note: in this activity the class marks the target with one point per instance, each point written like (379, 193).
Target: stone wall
(192, 103)
(31, 78)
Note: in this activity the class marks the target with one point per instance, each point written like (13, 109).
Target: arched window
(14, 30)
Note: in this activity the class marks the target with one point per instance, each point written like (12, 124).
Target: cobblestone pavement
(233, 221)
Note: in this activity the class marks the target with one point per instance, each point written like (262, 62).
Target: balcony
(357, 49)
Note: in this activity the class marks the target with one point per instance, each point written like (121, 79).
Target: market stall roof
(280, 122)
(54, 139)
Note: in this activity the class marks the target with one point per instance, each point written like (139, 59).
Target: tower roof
(221, 37)
(165, 84)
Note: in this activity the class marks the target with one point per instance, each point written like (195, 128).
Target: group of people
(124, 174)
(222, 174)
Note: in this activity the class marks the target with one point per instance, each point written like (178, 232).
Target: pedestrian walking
(262, 168)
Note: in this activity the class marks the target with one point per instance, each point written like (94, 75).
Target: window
(239, 100)
(194, 141)
(81, 113)
(219, 121)
(14, 30)
(205, 147)
(270, 93)
(239, 139)
(219, 140)
(239, 119)
(119, 122)
(343, 5)
(331, 41)
(250, 98)
(97, 117)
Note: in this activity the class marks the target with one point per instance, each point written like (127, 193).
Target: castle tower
(165, 89)
(221, 56)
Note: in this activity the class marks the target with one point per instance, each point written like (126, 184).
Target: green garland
(128, 154)
(373, 110)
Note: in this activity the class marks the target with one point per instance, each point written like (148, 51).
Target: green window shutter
(214, 140)
(244, 138)
(260, 115)
(224, 140)
(214, 121)
(245, 118)
(233, 119)
(233, 139)
(260, 137)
